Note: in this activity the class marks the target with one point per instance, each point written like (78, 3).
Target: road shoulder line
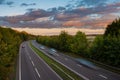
(20, 62)
(85, 78)
(45, 63)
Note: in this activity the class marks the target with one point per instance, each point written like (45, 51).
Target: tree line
(65, 42)
(10, 41)
(104, 48)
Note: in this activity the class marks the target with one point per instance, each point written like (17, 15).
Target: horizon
(57, 31)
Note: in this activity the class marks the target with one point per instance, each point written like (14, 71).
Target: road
(83, 71)
(32, 67)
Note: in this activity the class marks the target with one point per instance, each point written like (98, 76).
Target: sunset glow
(56, 31)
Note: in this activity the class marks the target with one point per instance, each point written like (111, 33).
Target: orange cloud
(72, 23)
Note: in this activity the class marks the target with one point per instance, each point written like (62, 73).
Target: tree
(106, 48)
(113, 29)
(79, 44)
(64, 41)
(9, 46)
(96, 48)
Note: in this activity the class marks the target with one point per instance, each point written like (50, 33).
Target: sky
(16, 7)
(20, 6)
(47, 14)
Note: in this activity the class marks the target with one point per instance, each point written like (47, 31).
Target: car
(52, 51)
(86, 63)
(42, 47)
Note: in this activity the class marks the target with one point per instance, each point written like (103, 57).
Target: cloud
(9, 3)
(30, 9)
(73, 4)
(66, 17)
(108, 9)
(81, 17)
(26, 4)
(72, 23)
(93, 17)
(98, 22)
(91, 3)
(2, 2)
(28, 16)
(38, 13)
(61, 8)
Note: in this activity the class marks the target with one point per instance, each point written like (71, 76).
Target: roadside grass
(62, 71)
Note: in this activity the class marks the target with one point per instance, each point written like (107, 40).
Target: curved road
(32, 67)
(84, 72)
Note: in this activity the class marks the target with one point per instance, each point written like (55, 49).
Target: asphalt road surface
(32, 67)
(83, 71)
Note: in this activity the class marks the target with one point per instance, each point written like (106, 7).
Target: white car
(42, 47)
(52, 51)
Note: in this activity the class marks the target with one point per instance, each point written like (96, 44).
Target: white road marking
(45, 62)
(66, 59)
(79, 65)
(84, 77)
(30, 58)
(32, 63)
(20, 63)
(103, 76)
(28, 54)
(37, 72)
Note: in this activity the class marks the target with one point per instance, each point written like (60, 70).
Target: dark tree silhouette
(113, 29)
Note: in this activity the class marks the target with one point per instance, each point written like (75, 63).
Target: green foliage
(79, 44)
(113, 29)
(24, 35)
(9, 46)
(96, 47)
(106, 48)
(65, 42)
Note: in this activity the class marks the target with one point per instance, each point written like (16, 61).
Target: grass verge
(62, 71)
